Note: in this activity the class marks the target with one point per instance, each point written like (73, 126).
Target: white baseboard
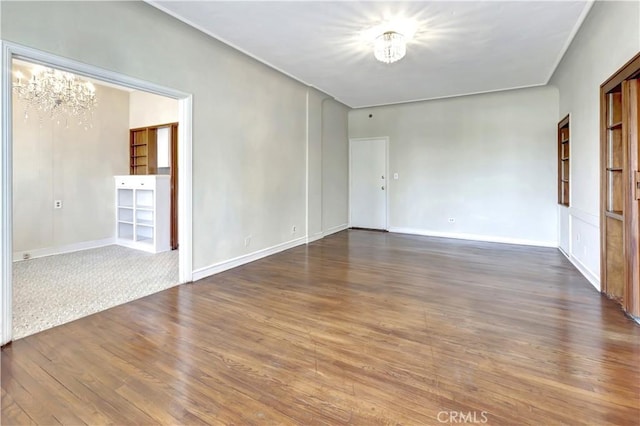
(586, 272)
(216, 268)
(68, 248)
(563, 252)
(475, 237)
(315, 237)
(335, 229)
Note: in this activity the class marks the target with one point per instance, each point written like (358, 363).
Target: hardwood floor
(358, 328)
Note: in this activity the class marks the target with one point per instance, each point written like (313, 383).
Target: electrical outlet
(395, 176)
(57, 204)
(293, 229)
(247, 241)
(452, 219)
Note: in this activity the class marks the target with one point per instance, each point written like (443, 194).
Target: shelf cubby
(143, 212)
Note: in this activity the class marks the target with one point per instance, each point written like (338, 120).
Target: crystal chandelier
(389, 47)
(59, 94)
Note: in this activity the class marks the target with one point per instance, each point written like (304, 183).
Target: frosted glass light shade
(389, 47)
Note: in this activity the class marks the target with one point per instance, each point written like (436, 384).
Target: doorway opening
(12, 52)
(154, 151)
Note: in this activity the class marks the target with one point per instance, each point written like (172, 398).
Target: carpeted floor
(54, 290)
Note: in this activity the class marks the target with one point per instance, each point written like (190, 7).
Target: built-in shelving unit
(613, 163)
(614, 157)
(563, 161)
(143, 212)
(142, 151)
(153, 150)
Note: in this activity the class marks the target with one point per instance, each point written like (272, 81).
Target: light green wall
(249, 121)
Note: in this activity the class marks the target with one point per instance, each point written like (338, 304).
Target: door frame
(386, 173)
(12, 51)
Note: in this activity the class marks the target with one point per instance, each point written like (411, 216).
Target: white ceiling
(459, 48)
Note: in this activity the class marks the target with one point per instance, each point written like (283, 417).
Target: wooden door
(620, 186)
(174, 186)
(631, 118)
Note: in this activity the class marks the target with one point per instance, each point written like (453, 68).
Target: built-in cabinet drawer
(136, 182)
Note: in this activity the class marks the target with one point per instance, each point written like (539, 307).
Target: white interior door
(368, 174)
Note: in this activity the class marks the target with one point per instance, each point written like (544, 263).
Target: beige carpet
(53, 290)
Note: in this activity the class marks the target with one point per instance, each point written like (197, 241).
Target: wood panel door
(620, 186)
(174, 186)
(631, 119)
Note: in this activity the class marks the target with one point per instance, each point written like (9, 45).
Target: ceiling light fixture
(57, 93)
(389, 47)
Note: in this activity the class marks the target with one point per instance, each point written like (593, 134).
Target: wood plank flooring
(358, 328)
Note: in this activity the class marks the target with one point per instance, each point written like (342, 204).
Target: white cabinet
(143, 212)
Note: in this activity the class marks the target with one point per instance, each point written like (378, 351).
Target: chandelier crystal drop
(389, 47)
(59, 94)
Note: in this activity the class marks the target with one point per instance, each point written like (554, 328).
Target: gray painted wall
(249, 121)
(335, 166)
(57, 162)
(486, 160)
(147, 109)
(608, 38)
(314, 134)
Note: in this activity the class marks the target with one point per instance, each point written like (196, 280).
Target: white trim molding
(306, 166)
(225, 265)
(589, 218)
(335, 229)
(584, 233)
(6, 271)
(572, 35)
(185, 194)
(474, 237)
(315, 237)
(586, 272)
(67, 248)
(12, 51)
(320, 235)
